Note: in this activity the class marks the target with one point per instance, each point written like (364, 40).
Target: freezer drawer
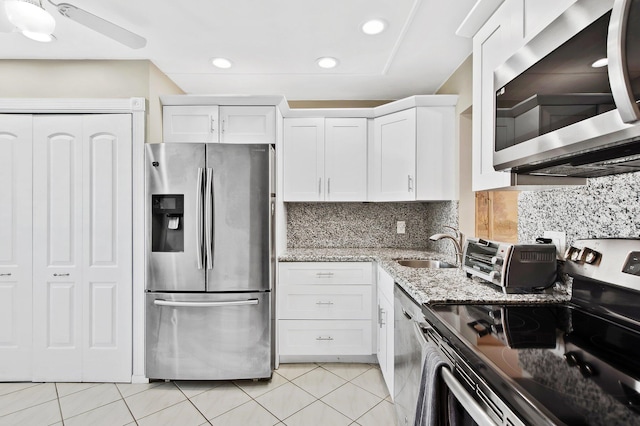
(208, 336)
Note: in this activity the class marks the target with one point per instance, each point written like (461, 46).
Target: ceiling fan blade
(102, 26)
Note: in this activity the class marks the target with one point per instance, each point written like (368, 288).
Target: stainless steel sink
(424, 263)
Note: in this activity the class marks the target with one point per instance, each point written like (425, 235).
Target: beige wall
(89, 79)
(460, 83)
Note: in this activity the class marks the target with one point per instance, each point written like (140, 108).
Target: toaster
(515, 268)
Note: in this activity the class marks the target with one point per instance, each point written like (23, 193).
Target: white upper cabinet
(325, 159)
(345, 159)
(414, 156)
(190, 123)
(213, 123)
(303, 163)
(15, 247)
(248, 124)
(393, 171)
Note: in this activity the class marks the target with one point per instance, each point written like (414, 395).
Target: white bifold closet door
(82, 247)
(15, 247)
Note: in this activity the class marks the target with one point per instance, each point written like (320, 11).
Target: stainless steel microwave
(566, 104)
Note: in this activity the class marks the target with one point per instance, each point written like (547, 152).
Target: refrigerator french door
(209, 262)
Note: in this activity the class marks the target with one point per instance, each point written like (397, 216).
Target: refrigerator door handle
(199, 196)
(209, 218)
(160, 302)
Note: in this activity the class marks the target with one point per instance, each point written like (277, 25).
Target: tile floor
(297, 395)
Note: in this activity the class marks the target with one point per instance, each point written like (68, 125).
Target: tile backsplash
(344, 225)
(606, 207)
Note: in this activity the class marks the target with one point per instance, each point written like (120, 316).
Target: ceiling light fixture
(31, 19)
(374, 26)
(222, 63)
(327, 62)
(602, 62)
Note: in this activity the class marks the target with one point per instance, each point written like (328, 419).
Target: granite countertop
(425, 285)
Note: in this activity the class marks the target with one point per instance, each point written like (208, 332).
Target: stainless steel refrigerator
(209, 261)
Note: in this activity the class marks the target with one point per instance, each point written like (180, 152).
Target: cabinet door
(394, 157)
(248, 124)
(345, 159)
(303, 159)
(492, 45)
(385, 327)
(186, 123)
(436, 154)
(57, 248)
(15, 247)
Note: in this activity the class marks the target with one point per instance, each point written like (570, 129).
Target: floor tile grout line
(55, 385)
(94, 408)
(127, 405)
(192, 403)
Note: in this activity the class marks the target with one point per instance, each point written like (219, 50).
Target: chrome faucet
(457, 241)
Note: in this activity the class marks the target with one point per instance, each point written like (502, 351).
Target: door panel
(82, 248)
(176, 173)
(57, 250)
(15, 247)
(107, 261)
(241, 214)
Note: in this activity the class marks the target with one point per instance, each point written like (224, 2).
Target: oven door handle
(470, 405)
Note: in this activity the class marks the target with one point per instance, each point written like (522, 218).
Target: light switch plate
(401, 227)
(559, 239)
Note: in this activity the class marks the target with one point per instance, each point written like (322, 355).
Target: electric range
(576, 363)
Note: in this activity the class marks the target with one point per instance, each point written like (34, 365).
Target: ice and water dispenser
(167, 213)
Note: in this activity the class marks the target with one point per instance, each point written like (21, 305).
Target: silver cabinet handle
(223, 125)
(213, 124)
(208, 218)
(328, 186)
(160, 302)
(61, 275)
(410, 183)
(199, 195)
(618, 65)
(383, 317)
(324, 303)
(324, 338)
(467, 401)
(324, 274)
(8, 274)
(319, 186)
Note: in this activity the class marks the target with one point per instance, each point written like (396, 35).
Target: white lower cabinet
(73, 293)
(325, 309)
(385, 328)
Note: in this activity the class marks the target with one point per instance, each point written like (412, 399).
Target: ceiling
(273, 44)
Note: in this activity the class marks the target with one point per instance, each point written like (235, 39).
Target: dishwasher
(408, 358)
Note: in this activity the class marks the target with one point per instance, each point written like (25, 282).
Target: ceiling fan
(33, 20)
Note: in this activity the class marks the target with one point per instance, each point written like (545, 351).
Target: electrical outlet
(559, 239)
(401, 227)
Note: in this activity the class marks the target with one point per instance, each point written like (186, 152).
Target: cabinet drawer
(325, 302)
(301, 273)
(325, 337)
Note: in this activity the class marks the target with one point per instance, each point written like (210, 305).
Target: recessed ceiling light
(327, 62)
(602, 62)
(374, 26)
(221, 63)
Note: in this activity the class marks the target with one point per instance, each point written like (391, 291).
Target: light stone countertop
(425, 285)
